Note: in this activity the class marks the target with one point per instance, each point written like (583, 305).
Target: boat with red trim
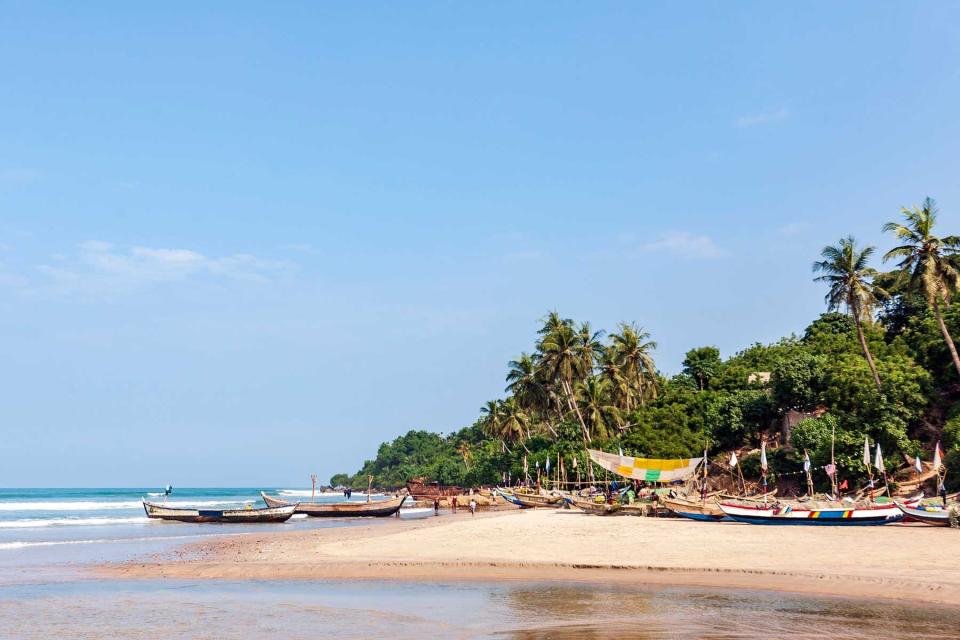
(782, 514)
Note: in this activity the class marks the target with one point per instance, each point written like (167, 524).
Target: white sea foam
(109, 505)
(29, 523)
(21, 544)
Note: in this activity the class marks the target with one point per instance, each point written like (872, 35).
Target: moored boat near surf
(239, 516)
(538, 500)
(371, 509)
(778, 514)
(936, 516)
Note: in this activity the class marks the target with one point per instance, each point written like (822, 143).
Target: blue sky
(240, 244)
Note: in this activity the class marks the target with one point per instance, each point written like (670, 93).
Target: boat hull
(837, 517)
(375, 509)
(594, 508)
(700, 511)
(940, 518)
(224, 516)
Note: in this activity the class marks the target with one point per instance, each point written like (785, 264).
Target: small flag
(878, 460)
(937, 455)
(620, 449)
(866, 452)
(548, 465)
(806, 462)
(830, 469)
(575, 462)
(916, 464)
(733, 459)
(763, 456)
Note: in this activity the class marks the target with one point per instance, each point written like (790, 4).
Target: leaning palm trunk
(946, 334)
(573, 405)
(866, 351)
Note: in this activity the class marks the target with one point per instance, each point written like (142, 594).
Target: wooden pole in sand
(369, 486)
(833, 463)
(313, 487)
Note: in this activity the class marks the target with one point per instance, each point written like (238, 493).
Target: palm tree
(514, 422)
(589, 348)
(596, 407)
(844, 268)
(633, 346)
(927, 261)
(492, 422)
(620, 392)
(562, 361)
(464, 450)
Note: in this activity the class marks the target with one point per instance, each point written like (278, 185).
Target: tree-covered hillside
(879, 363)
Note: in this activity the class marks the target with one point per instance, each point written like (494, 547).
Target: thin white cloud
(101, 267)
(685, 245)
(766, 117)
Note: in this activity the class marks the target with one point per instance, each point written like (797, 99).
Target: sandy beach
(901, 562)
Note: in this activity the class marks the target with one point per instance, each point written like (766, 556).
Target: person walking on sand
(453, 504)
(473, 507)
(436, 506)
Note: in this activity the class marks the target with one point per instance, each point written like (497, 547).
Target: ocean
(47, 536)
(41, 527)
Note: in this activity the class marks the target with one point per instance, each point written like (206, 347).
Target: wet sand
(901, 562)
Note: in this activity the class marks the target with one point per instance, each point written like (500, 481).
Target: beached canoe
(791, 515)
(239, 516)
(509, 497)
(593, 508)
(706, 511)
(936, 516)
(537, 500)
(372, 509)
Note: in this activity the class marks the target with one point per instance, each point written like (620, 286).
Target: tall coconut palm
(926, 261)
(562, 362)
(633, 346)
(491, 422)
(513, 422)
(597, 410)
(619, 388)
(844, 268)
(589, 348)
(466, 453)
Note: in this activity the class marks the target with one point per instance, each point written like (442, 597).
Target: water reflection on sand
(411, 610)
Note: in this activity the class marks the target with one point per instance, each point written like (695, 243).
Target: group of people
(453, 505)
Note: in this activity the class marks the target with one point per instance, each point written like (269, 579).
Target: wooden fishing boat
(936, 516)
(592, 507)
(778, 514)
(509, 497)
(531, 500)
(354, 509)
(694, 509)
(240, 516)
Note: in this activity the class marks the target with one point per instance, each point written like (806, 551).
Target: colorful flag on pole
(806, 462)
(937, 457)
(830, 469)
(866, 452)
(548, 465)
(763, 456)
(878, 460)
(733, 459)
(916, 464)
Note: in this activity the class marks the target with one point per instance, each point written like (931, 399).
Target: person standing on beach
(453, 504)
(473, 507)
(436, 506)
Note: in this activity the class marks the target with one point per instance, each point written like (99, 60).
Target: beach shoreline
(567, 546)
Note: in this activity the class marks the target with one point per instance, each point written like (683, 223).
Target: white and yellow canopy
(649, 469)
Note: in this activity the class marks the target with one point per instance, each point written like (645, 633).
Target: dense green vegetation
(879, 363)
